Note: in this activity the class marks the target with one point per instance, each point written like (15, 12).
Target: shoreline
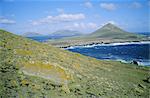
(105, 44)
(139, 62)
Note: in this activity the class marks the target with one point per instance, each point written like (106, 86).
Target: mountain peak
(110, 30)
(110, 26)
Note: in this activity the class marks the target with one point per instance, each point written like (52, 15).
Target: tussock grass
(29, 69)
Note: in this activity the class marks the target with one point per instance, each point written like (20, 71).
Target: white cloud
(136, 5)
(92, 25)
(69, 17)
(108, 6)
(82, 26)
(79, 25)
(88, 4)
(59, 18)
(6, 21)
(111, 21)
(97, 16)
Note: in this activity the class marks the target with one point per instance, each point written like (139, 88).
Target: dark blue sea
(125, 52)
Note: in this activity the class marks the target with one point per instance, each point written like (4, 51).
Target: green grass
(29, 69)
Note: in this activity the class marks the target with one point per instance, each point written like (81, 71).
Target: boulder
(135, 62)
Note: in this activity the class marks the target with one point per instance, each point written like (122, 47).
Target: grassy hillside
(107, 34)
(29, 69)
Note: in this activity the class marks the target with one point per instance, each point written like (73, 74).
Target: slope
(29, 69)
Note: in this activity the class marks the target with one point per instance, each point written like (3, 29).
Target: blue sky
(47, 16)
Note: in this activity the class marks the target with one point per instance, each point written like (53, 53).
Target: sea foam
(109, 44)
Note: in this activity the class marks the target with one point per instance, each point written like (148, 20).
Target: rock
(134, 62)
(138, 90)
(92, 95)
(142, 86)
(147, 80)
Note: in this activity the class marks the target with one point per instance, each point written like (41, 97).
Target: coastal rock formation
(135, 62)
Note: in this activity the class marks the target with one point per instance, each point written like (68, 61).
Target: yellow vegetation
(77, 66)
(65, 88)
(24, 82)
(24, 52)
(55, 73)
(36, 87)
(14, 82)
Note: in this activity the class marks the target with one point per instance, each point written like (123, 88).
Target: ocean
(124, 52)
(43, 38)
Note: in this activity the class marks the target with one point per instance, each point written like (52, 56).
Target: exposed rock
(134, 62)
(147, 80)
(142, 86)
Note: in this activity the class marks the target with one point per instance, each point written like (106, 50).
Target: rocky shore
(91, 44)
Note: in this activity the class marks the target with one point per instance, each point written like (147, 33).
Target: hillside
(109, 33)
(29, 69)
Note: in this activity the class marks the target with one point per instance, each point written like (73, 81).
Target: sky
(86, 16)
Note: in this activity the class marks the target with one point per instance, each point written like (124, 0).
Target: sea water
(125, 52)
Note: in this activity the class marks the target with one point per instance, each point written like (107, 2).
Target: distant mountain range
(108, 33)
(56, 34)
(144, 33)
(66, 33)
